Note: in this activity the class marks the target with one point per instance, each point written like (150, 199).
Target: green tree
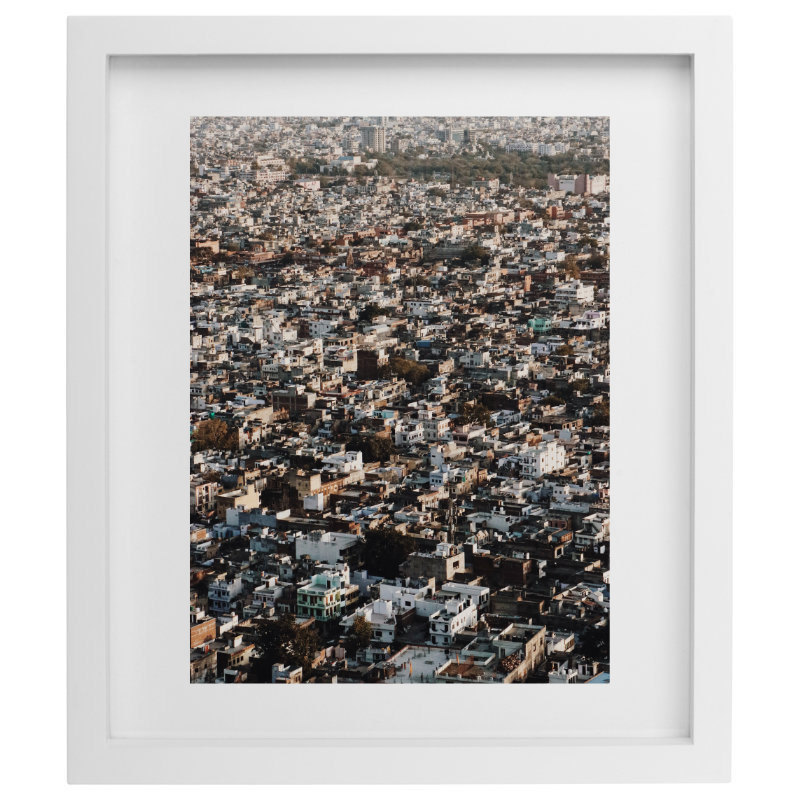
(417, 280)
(372, 448)
(288, 499)
(601, 414)
(580, 385)
(301, 166)
(369, 313)
(359, 635)
(214, 434)
(571, 268)
(474, 414)
(283, 641)
(595, 642)
(597, 262)
(385, 549)
(476, 253)
(411, 371)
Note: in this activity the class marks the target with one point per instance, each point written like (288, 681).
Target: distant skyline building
(455, 135)
(578, 184)
(373, 137)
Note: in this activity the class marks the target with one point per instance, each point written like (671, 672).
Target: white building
(440, 477)
(596, 184)
(345, 463)
(574, 292)
(266, 596)
(221, 594)
(546, 458)
(318, 328)
(456, 616)
(424, 308)
(476, 595)
(327, 547)
(381, 615)
(475, 360)
(405, 593)
(408, 432)
(591, 320)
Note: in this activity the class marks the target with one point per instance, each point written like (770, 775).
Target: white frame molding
(94, 756)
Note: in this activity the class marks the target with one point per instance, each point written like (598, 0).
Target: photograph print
(399, 400)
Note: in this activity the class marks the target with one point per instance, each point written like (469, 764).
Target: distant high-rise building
(455, 135)
(373, 137)
(400, 145)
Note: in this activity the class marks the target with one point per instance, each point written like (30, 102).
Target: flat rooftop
(418, 664)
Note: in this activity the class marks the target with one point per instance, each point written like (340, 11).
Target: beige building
(373, 138)
(443, 564)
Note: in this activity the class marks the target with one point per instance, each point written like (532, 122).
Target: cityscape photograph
(399, 400)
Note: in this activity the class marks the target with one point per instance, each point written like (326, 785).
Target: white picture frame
(96, 755)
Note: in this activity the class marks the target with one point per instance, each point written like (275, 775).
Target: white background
(766, 695)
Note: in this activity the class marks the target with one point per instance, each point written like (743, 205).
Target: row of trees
(522, 169)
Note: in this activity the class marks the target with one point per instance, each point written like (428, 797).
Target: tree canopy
(474, 414)
(369, 312)
(571, 268)
(601, 414)
(411, 371)
(595, 642)
(597, 262)
(476, 253)
(416, 280)
(359, 635)
(283, 641)
(581, 385)
(372, 448)
(385, 549)
(214, 434)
